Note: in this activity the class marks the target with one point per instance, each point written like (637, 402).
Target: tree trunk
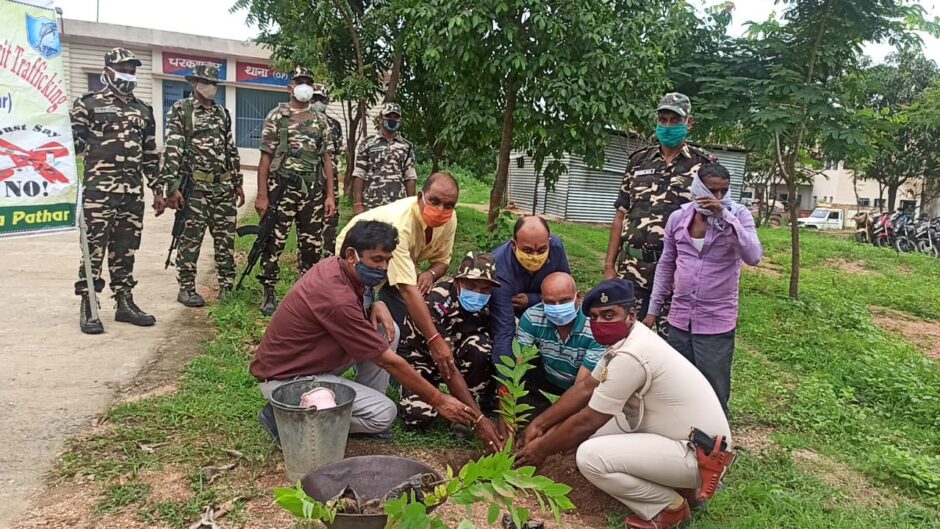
(794, 240)
(892, 196)
(502, 164)
(352, 135)
(437, 152)
(393, 77)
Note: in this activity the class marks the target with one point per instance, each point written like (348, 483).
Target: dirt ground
(55, 380)
(850, 267)
(925, 335)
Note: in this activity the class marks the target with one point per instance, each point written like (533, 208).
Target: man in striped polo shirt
(562, 334)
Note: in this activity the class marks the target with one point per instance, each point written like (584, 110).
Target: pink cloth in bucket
(320, 398)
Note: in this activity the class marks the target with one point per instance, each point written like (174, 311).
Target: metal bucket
(370, 476)
(311, 438)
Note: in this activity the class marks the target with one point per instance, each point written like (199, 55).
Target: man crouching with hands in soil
(630, 421)
(323, 328)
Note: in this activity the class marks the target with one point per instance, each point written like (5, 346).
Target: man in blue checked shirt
(562, 334)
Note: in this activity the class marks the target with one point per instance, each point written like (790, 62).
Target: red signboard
(246, 72)
(180, 64)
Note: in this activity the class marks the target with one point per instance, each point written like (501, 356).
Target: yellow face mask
(532, 263)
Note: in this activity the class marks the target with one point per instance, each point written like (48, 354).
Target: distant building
(249, 90)
(584, 194)
(836, 188)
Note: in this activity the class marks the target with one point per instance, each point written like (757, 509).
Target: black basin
(370, 476)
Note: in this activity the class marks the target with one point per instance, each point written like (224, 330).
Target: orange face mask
(435, 217)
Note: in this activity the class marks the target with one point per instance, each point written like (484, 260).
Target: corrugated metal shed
(584, 194)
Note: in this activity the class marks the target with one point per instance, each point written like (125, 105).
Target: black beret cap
(609, 292)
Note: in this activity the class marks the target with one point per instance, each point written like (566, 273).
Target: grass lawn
(837, 421)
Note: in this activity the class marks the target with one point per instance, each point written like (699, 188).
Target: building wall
(586, 194)
(85, 43)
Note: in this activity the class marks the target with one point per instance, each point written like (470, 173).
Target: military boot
(190, 298)
(128, 311)
(88, 325)
(225, 293)
(270, 301)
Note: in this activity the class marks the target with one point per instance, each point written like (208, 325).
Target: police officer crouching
(646, 423)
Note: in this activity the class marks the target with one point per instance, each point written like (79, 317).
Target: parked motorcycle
(905, 240)
(927, 235)
(883, 231)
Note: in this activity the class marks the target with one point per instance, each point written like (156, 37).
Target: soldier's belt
(648, 255)
(203, 176)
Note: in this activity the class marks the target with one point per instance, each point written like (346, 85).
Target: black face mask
(391, 124)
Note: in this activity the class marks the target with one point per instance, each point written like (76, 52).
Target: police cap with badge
(609, 292)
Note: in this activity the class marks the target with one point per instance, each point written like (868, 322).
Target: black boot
(270, 301)
(85, 323)
(128, 311)
(190, 298)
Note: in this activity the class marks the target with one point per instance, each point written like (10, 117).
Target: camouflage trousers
(328, 233)
(307, 210)
(215, 211)
(473, 359)
(113, 222)
(632, 267)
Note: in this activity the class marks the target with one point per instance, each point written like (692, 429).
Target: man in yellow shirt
(426, 228)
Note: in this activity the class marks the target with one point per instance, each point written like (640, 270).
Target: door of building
(251, 107)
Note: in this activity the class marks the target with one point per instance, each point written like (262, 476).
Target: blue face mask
(391, 124)
(371, 277)
(473, 301)
(671, 136)
(561, 314)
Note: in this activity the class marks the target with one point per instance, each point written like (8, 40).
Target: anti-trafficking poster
(38, 177)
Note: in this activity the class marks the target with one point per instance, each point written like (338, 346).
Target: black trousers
(711, 354)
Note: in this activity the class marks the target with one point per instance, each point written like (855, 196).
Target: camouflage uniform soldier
(199, 141)
(115, 132)
(294, 144)
(458, 310)
(655, 183)
(321, 97)
(385, 165)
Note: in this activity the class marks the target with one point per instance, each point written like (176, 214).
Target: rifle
(264, 230)
(186, 183)
(179, 220)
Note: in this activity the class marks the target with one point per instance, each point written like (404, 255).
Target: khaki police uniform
(642, 455)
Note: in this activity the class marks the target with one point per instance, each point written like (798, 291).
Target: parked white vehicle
(824, 219)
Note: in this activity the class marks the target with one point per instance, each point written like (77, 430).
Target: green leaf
(493, 513)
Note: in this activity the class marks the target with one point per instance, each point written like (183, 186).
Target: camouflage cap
(301, 72)
(676, 102)
(320, 89)
(205, 72)
(391, 108)
(478, 265)
(120, 55)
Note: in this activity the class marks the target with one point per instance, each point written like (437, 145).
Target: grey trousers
(711, 354)
(372, 411)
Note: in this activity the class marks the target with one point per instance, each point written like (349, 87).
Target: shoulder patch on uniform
(703, 153)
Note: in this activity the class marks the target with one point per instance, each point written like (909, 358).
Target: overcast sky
(212, 17)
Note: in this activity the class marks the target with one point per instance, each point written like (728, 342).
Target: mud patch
(846, 266)
(168, 484)
(754, 440)
(853, 487)
(924, 335)
(767, 268)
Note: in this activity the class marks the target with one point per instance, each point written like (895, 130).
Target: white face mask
(207, 90)
(303, 93)
(126, 77)
(123, 83)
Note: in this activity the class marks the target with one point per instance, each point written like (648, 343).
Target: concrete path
(53, 378)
